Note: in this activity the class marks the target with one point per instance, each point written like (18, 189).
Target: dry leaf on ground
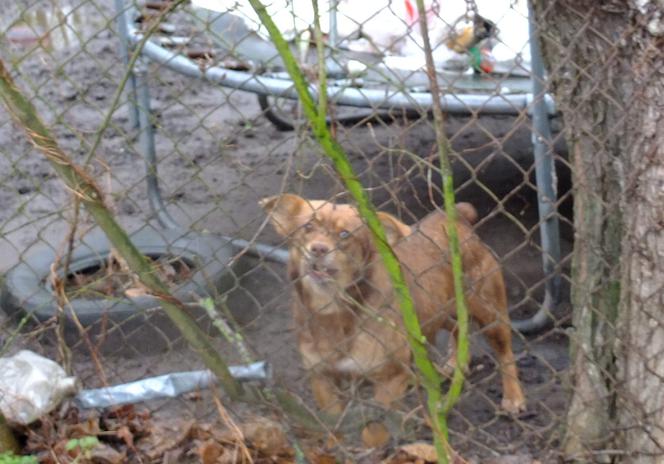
(209, 452)
(165, 437)
(419, 453)
(375, 435)
(266, 436)
(420, 450)
(105, 454)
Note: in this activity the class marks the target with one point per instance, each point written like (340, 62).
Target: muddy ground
(218, 156)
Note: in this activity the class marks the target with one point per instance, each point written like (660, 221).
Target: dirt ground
(217, 157)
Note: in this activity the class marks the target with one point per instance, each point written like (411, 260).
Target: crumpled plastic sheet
(166, 386)
(31, 386)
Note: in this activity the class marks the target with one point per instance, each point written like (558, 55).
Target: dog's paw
(513, 406)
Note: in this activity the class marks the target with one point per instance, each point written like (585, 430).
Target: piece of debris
(31, 386)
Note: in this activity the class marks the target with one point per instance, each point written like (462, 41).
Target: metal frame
(538, 104)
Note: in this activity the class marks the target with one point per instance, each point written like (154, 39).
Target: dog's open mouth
(321, 272)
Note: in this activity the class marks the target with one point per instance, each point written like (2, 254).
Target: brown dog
(344, 306)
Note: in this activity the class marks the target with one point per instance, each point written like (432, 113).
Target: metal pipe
(166, 386)
(542, 319)
(130, 93)
(386, 98)
(147, 147)
(545, 174)
(334, 33)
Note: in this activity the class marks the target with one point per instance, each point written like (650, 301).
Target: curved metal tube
(146, 142)
(545, 171)
(387, 98)
(541, 320)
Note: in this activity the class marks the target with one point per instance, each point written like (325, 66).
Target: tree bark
(606, 66)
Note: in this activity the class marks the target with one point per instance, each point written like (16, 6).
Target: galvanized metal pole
(334, 33)
(125, 46)
(545, 173)
(147, 147)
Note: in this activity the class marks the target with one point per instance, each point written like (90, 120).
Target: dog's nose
(319, 249)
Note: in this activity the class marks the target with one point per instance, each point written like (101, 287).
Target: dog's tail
(467, 211)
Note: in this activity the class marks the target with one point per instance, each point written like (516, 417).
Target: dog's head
(328, 243)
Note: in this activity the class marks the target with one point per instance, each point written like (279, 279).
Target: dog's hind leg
(496, 328)
(500, 339)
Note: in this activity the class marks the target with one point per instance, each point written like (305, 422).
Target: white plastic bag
(31, 386)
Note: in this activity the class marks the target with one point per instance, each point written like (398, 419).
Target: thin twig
(71, 236)
(232, 426)
(440, 424)
(63, 302)
(444, 149)
(61, 318)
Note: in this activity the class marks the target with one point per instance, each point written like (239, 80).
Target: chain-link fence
(183, 114)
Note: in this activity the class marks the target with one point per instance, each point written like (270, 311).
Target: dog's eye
(344, 234)
(308, 227)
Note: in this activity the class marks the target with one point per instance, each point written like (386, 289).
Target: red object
(412, 15)
(411, 12)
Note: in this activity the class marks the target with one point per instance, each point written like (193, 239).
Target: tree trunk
(606, 63)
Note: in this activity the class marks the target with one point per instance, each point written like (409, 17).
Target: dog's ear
(394, 228)
(287, 212)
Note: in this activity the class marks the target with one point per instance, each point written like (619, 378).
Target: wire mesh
(223, 142)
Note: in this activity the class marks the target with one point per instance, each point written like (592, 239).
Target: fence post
(146, 146)
(545, 177)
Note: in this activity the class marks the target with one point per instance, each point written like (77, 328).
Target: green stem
(428, 374)
(82, 185)
(455, 249)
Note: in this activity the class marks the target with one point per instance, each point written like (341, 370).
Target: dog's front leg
(323, 385)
